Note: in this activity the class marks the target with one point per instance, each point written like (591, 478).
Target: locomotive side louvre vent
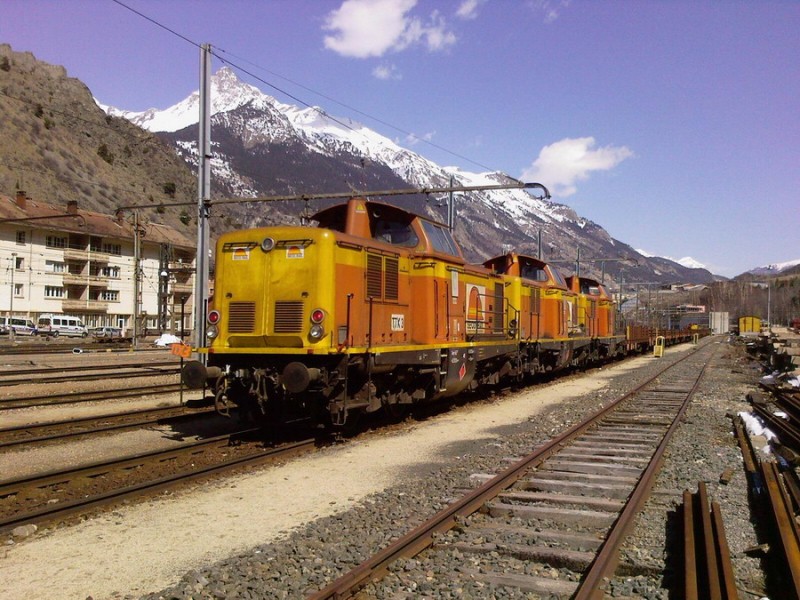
(242, 317)
(499, 302)
(374, 276)
(383, 277)
(536, 300)
(288, 316)
(392, 278)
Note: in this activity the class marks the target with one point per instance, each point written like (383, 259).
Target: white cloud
(386, 72)
(412, 139)
(469, 9)
(551, 9)
(562, 164)
(369, 28)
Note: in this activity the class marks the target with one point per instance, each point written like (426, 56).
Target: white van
(20, 325)
(56, 325)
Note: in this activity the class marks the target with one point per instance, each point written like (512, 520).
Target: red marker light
(213, 317)
(317, 315)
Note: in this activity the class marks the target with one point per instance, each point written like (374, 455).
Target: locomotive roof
(389, 224)
(527, 267)
(586, 285)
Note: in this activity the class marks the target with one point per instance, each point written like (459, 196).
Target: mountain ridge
(58, 143)
(248, 124)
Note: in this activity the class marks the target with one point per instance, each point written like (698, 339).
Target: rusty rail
(708, 571)
(787, 535)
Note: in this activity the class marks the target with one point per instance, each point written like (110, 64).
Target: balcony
(78, 305)
(77, 254)
(78, 279)
(182, 288)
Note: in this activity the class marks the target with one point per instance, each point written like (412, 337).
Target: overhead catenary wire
(358, 193)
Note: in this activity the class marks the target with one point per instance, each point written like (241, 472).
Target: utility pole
(203, 199)
(451, 207)
(137, 257)
(11, 331)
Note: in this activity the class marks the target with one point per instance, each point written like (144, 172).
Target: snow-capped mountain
(774, 269)
(261, 146)
(686, 261)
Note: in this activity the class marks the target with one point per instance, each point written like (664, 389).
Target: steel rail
(51, 513)
(708, 572)
(141, 373)
(783, 515)
(184, 413)
(690, 584)
(21, 372)
(78, 397)
(422, 536)
(726, 577)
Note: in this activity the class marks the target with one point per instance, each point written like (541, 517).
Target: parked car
(55, 325)
(107, 333)
(21, 326)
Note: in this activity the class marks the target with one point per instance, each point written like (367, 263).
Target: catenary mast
(203, 198)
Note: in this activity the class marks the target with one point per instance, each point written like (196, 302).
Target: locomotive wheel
(396, 412)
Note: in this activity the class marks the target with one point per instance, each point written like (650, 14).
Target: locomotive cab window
(558, 277)
(441, 239)
(395, 232)
(533, 271)
(334, 218)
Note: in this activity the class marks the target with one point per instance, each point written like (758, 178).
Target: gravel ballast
(285, 531)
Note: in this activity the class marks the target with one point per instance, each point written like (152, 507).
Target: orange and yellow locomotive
(375, 307)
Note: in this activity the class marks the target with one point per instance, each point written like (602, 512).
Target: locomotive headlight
(512, 328)
(316, 332)
(267, 244)
(212, 332)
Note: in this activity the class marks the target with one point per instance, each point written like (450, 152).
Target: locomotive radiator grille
(288, 317)
(382, 277)
(391, 278)
(374, 276)
(242, 317)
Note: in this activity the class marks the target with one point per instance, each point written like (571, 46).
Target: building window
(109, 296)
(53, 241)
(52, 266)
(21, 237)
(51, 291)
(110, 272)
(18, 290)
(115, 249)
(19, 263)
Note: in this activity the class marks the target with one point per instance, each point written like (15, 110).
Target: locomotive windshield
(558, 277)
(533, 271)
(441, 239)
(395, 232)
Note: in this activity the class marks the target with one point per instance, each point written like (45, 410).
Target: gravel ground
(288, 530)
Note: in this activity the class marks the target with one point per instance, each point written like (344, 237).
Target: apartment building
(64, 260)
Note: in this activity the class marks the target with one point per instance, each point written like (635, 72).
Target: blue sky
(673, 124)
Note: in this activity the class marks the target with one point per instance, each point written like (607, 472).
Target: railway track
(68, 346)
(567, 506)
(88, 373)
(60, 494)
(70, 428)
(88, 396)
